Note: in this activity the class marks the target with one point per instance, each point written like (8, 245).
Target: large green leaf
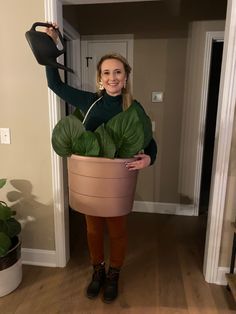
(86, 145)
(10, 227)
(107, 146)
(146, 123)
(5, 244)
(67, 130)
(5, 211)
(2, 182)
(3, 227)
(130, 130)
(13, 227)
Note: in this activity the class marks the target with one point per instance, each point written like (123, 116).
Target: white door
(93, 50)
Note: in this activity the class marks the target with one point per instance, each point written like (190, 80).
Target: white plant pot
(10, 270)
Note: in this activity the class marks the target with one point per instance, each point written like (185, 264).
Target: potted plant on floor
(99, 182)
(10, 249)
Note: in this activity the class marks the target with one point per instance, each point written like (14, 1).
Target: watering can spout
(55, 64)
(44, 48)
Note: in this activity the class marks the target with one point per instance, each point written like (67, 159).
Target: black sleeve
(151, 150)
(73, 96)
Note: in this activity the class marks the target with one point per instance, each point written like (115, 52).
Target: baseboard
(164, 208)
(38, 257)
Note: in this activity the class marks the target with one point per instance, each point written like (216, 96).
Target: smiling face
(113, 76)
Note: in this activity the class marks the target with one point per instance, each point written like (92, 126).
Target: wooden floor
(162, 274)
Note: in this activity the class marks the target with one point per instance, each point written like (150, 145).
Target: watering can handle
(50, 25)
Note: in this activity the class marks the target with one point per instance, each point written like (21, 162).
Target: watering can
(44, 48)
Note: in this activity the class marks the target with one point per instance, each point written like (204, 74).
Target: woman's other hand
(51, 31)
(142, 161)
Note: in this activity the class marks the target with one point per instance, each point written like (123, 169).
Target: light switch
(5, 136)
(157, 96)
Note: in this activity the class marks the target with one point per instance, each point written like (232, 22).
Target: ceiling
(144, 18)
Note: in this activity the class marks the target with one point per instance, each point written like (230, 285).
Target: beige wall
(26, 163)
(159, 65)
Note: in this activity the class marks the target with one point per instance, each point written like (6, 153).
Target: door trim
(53, 12)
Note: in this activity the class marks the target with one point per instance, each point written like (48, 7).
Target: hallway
(162, 274)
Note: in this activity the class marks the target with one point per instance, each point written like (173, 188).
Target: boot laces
(113, 274)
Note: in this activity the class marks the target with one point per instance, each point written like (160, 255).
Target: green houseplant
(123, 136)
(9, 226)
(10, 249)
(99, 182)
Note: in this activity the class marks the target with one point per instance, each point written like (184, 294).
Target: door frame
(223, 139)
(210, 37)
(224, 130)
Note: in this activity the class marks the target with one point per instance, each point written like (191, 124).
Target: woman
(113, 73)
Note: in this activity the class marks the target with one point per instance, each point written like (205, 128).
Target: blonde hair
(126, 91)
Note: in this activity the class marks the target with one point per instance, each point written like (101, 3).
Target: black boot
(111, 285)
(98, 279)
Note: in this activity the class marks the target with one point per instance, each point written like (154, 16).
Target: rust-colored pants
(117, 231)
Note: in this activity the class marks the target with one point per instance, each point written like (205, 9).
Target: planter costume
(105, 109)
(100, 186)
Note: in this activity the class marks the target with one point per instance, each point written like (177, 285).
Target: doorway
(210, 125)
(226, 109)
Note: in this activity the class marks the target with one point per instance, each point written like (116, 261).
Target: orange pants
(117, 231)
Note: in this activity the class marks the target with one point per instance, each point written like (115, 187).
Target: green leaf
(5, 244)
(3, 227)
(13, 227)
(5, 211)
(107, 146)
(78, 114)
(146, 123)
(2, 182)
(86, 145)
(66, 131)
(130, 130)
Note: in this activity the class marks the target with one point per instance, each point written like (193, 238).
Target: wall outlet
(5, 136)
